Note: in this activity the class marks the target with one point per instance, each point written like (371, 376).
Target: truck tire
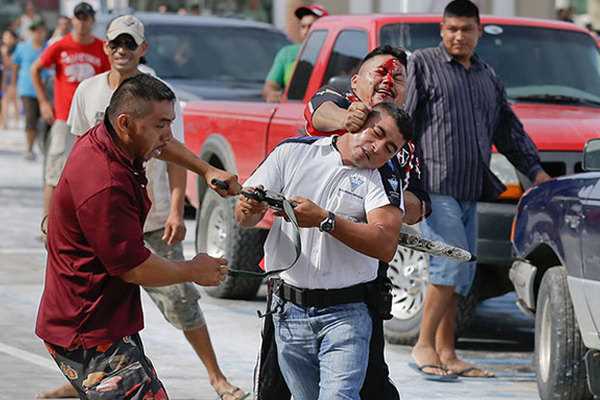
(559, 349)
(409, 273)
(218, 235)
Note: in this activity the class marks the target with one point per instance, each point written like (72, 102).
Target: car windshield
(535, 64)
(212, 53)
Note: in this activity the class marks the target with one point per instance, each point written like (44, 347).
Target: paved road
(502, 340)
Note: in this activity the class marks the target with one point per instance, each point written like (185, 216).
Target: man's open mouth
(385, 92)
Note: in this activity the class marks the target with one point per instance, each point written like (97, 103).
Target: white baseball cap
(126, 24)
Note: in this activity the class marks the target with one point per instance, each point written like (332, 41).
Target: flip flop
(464, 372)
(233, 394)
(433, 377)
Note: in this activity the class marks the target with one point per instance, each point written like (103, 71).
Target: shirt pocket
(349, 205)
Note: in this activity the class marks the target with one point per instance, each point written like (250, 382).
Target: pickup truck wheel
(409, 273)
(218, 235)
(559, 349)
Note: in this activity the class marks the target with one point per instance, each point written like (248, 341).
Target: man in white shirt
(322, 322)
(164, 228)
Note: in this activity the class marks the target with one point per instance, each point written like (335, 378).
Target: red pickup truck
(552, 75)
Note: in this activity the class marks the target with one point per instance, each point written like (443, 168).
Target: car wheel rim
(216, 235)
(545, 342)
(408, 272)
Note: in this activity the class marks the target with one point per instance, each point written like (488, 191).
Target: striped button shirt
(459, 114)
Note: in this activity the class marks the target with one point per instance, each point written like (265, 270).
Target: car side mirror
(591, 155)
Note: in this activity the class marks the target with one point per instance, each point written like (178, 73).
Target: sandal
(233, 395)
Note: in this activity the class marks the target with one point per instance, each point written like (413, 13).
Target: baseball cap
(36, 23)
(126, 24)
(84, 9)
(316, 9)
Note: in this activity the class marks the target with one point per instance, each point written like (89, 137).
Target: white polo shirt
(87, 109)
(311, 167)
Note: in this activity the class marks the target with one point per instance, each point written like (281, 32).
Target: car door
(591, 250)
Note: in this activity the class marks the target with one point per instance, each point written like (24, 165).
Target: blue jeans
(323, 352)
(454, 222)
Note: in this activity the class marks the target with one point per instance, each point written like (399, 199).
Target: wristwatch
(328, 224)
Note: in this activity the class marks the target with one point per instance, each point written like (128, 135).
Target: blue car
(556, 274)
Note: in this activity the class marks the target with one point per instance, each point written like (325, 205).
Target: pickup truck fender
(216, 151)
(536, 244)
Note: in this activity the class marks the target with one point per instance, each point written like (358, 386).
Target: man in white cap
(283, 64)
(164, 228)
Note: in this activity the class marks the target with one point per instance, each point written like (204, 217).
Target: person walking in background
(63, 27)
(77, 56)
(460, 110)
(24, 56)
(9, 85)
(283, 64)
(29, 17)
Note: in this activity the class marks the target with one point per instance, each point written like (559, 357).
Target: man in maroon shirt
(90, 312)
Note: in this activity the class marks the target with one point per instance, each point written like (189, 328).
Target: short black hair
(396, 52)
(462, 8)
(403, 120)
(134, 93)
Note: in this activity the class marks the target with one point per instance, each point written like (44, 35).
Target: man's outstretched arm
(177, 153)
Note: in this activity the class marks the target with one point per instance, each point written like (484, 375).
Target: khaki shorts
(177, 303)
(61, 142)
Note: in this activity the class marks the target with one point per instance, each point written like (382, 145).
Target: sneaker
(29, 156)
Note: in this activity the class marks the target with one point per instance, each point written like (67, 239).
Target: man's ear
(144, 47)
(106, 48)
(354, 82)
(123, 124)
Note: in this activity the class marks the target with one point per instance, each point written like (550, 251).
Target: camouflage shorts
(118, 371)
(177, 303)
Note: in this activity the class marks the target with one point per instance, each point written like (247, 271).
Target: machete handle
(220, 184)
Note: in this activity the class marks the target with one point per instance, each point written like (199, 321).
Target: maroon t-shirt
(95, 234)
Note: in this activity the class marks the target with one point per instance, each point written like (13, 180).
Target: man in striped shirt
(460, 110)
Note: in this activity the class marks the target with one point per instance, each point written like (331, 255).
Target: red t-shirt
(95, 234)
(73, 63)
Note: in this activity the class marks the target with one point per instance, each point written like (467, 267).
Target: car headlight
(507, 173)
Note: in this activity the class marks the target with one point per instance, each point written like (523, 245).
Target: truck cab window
(306, 63)
(349, 49)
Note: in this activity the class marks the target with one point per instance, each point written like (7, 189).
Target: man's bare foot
(66, 391)
(424, 355)
(227, 391)
(459, 367)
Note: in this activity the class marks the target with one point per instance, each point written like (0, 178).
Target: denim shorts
(454, 222)
(178, 303)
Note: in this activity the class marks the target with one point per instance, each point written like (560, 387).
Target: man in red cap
(283, 65)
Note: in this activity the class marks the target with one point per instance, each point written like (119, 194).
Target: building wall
(594, 12)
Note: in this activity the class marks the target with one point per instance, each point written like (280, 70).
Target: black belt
(320, 297)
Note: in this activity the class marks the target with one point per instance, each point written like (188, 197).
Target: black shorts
(118, 371)
(32, 112)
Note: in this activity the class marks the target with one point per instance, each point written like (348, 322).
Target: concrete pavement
(25, 367)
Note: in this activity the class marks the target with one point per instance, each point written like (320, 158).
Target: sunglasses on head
(125, 42)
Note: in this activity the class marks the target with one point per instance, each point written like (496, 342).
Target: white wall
(360, 6)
